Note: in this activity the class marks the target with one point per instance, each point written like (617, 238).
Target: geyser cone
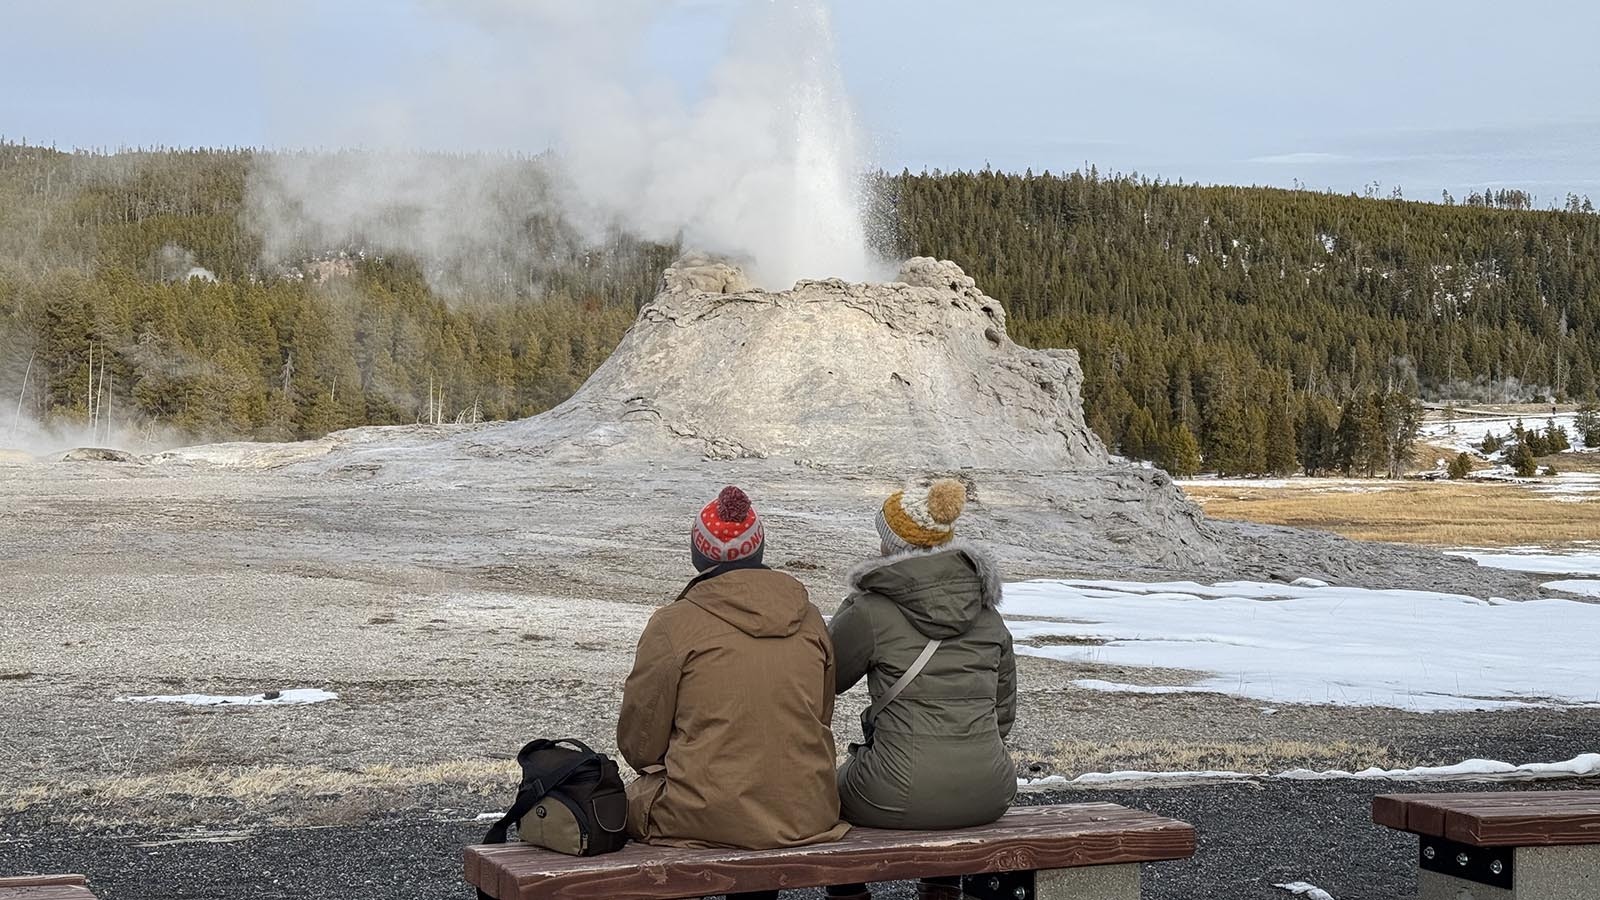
(912, 374)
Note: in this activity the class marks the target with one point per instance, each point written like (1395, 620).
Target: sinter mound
(864, 386)
(914, 374)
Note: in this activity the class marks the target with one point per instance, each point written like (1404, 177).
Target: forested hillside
(1245, 315)
(133, 294)
(1246, 325)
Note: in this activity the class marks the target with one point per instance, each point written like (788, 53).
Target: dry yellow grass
(1440, 513)
(269, 793)
(1267, 756)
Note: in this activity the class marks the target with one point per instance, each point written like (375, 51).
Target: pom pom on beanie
(913, 520)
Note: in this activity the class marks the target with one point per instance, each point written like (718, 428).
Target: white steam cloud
(761, 162)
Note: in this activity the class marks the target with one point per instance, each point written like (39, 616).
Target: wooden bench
(45, 887)
(1085, 851)
(1524, 845)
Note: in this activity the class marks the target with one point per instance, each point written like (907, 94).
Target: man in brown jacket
(727, 714)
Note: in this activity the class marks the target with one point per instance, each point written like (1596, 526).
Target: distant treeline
(1220, 328)
(1207, 313)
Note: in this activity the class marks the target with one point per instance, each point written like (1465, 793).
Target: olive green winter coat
(937, 758)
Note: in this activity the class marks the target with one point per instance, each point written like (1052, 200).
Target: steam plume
(761, 165)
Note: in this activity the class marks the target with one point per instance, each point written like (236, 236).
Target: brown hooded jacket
(727, 717)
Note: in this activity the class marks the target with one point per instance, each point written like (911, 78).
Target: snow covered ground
(1318, 485)
(1317, 644)
(1583, 558)
(1584, 765)
(1303, 889)
(1467, 433)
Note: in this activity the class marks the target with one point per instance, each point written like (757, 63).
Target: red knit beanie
(727, 532)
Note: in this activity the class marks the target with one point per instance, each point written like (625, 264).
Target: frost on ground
(1284, 643)
(1309, 891)
(296, 697)
(1584, 765)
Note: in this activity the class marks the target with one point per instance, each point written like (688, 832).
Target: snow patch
(1584, 587)
(1301, 888)
(296, 697)
(1584, 765)
(1467, 432)
(1312, 644)
(1309, 485)
(1534, 559)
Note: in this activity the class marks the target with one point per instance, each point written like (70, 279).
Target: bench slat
(1038, 837)
(46, 892)
(1520, 819)
(42, 880)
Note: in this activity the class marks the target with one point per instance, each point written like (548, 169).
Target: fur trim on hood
(987, 568)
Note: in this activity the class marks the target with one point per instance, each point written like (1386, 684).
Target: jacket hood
(940, 591)
(759, 602)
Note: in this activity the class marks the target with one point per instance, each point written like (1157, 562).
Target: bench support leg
(1117, 882)
(1542, 873)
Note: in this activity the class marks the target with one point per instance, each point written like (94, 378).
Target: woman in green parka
(934, 756)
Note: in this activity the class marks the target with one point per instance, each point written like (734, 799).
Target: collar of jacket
(988, 570)
(713, 572)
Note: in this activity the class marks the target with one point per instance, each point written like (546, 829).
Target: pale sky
(1426, 94)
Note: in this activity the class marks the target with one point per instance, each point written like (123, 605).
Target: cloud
(1301, 158)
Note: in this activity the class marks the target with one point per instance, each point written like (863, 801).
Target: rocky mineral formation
(915, 374)
(819, 400)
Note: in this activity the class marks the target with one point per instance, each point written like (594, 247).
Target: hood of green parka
(941, 592)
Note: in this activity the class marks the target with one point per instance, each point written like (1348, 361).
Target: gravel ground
(459, 614)
(1252, 836)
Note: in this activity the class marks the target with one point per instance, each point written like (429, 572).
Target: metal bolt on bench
(1523, 845)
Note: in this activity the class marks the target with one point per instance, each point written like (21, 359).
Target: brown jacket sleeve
(853, 643)
(649, 699)
(1005, 706)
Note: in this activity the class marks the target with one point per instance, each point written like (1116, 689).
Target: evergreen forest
(1229, 329)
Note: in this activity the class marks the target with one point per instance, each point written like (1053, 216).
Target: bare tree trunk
(17, 419)
(93, 422)
(101, 395)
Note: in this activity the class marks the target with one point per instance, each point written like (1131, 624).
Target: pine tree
(1555, 438)
(1461, 465)
(1401, 419)
(1180, 453)
(1282, 456)
(1587, 424)
(1522, 460)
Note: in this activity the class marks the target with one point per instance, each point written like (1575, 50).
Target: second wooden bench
(1512, 845)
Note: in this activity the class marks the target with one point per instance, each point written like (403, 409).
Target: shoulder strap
(900, 684)
(532, 792)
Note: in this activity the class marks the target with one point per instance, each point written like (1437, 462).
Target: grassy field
(1438, 513)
